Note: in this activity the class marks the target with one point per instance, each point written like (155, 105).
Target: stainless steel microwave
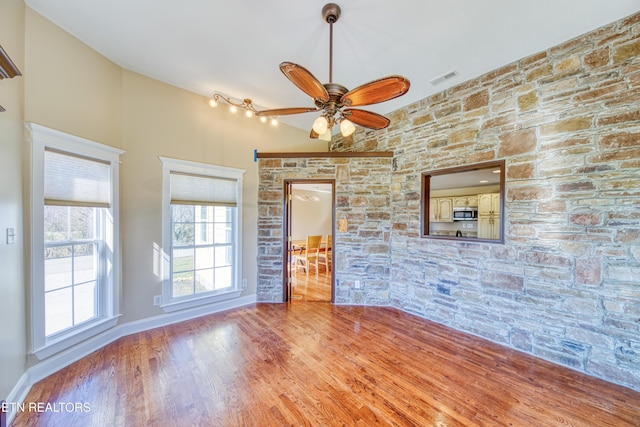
(466, 213)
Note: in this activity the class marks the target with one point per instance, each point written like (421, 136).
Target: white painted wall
(310, 218)
(71, 88)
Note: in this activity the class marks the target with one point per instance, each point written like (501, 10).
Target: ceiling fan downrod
(331, 13)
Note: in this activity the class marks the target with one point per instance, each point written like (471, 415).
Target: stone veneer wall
(565, 285)
(362, 198)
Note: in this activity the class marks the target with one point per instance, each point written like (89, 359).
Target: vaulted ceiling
(235, 47)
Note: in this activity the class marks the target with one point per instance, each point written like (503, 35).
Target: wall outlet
(157, 300)
(357, 284)
(244, 283)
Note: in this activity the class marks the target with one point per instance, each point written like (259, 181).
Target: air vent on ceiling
(444, 77)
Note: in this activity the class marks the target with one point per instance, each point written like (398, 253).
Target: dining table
(299, 245)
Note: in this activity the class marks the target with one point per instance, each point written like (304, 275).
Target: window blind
(74, 180)
(192, 189)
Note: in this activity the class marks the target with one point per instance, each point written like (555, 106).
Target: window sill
(198, 301)
(58, 344)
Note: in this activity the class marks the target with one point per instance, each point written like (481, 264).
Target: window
(74, 261)
(202, 249)
(201, 233)
(464, 203)
(73, 244)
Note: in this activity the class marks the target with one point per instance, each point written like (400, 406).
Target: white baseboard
(180, 316)
(18, 394)
(58, 361)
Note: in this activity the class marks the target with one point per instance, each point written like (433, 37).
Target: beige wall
(12, 307)
(161, 120)
(69, 87)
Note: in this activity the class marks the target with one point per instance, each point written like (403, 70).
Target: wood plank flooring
(317, 364)
(312, 288)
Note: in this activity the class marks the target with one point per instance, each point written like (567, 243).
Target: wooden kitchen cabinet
(489, 227)
(489, 204)
(465, 201)
(489, 216)
(441, 210)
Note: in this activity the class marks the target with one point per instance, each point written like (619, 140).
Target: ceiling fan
(334, 100)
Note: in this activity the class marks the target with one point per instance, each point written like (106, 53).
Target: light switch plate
(11, 236)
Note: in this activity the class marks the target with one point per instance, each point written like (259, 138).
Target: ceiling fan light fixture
(346, 127)
(320, 125)
(325, 136)
(336, 101)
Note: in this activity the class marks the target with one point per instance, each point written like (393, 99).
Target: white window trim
(41, 137)
(176, 165)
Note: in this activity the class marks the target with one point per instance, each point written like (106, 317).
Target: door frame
(286, 235)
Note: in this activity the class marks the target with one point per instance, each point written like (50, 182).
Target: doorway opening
(309, 218)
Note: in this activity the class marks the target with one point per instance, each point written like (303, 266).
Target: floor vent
(444, 77)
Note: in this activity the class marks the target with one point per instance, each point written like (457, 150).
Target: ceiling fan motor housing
(335, 92)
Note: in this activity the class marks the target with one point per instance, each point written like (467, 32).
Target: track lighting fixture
(246, 105)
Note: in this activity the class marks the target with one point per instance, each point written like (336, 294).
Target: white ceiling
(466, 179)
(308, 186)
(235, 47)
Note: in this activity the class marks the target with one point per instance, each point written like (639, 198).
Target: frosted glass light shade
(346, 127)
(320, 125)
(325, 136)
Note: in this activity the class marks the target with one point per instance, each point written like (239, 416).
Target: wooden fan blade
(366, 119)
(376, 91)
(302, 78)
(285, 111)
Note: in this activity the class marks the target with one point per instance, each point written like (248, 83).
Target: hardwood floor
(317, 364)
(312, 288)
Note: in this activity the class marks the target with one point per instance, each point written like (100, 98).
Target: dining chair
(293, 254)
(309, 255)
(324, 256)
